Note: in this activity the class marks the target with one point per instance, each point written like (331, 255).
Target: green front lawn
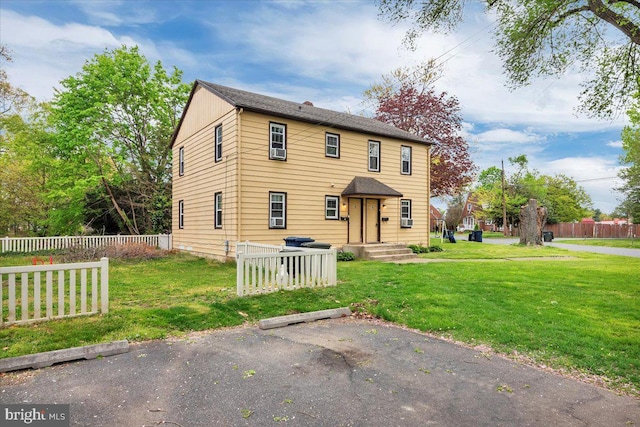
(615, 243)
(580, 313)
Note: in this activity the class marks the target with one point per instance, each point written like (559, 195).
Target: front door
(372, 221)
(355, 220)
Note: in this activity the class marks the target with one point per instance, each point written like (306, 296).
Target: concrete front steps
(381, 251)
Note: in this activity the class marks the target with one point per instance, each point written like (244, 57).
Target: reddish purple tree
(435, 118)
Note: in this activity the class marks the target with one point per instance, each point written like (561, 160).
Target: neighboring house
(472, 216)
(468, 219)
(257, 168)
(434, 217)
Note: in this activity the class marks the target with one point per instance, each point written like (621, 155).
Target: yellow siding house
(252, 167)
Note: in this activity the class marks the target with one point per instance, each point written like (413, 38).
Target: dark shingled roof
(307, 113)
(364, 186)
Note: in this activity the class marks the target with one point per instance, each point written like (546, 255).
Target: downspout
(239, 112)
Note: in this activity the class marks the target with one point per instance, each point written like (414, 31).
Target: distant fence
(268, 268)
(586, 230)
(73, 298)
(36, 244)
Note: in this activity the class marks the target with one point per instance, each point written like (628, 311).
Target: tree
(24, 166)
(532, 221)
(631, 160)
(561, 196)
(12, 99)
(546, 38)
(417, 108)
(114, 122)
(455, 211)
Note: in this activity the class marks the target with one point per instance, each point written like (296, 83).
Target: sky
(327, 52)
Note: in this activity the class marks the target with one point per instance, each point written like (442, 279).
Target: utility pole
(504, 205)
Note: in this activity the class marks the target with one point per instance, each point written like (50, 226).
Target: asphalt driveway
(345, 372)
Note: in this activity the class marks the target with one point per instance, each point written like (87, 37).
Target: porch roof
(365, 186)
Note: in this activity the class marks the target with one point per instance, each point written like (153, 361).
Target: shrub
(126, 251)
(435, 248)
(419, 249)
(346, 256)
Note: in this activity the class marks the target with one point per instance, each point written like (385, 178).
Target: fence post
(240, 273)
(104, 284)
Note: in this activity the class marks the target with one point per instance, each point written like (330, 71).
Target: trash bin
(547, 236)
(297, 241)
(471, 236)
(316, 245)
(477, 235)
(289, 263)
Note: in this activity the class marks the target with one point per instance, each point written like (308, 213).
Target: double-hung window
(405, 213)
(332, 145)
(331, 207)
(277, 141)
(218, 210)
(181, 161)
(277, 210)
(181, 214)
(405, 160)
(374, 156)
(218, 143)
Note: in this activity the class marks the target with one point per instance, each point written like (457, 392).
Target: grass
(580, 313)
(615, 243)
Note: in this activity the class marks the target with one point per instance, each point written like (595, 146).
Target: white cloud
(45, 53)
(615, 144)
(508, 136)
(597, 175)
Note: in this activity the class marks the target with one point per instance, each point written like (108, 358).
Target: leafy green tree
(24, 170)
(564, 199)
(114, 122)
(548, 37)
(631, 160)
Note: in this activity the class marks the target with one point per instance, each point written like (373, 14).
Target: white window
(405, 160)
(469, 207)
(332, 145)
(405, 213)
(277, 210)
(181, 214)
(218, 143)
(331, 209)
(374, 156)
(181, 161)
(218, 210)
(277, 141)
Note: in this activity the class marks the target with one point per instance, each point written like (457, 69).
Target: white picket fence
(35, 244)
(267, 268)
(27, 305)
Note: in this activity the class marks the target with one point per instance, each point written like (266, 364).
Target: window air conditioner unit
(279, 153)
(277, 222)
(406, 222)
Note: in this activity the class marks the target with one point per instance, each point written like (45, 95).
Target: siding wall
(307, 176)
(203, 177)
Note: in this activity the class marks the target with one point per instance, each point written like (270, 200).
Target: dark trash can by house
(547, 236)
(471, 236)
(316, 245)
(289, 263)
(297, 241)
(477, 235)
